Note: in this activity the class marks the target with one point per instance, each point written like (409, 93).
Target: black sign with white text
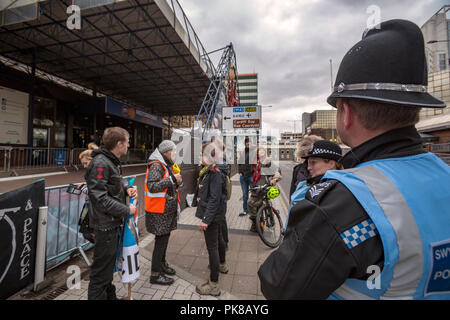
(19, 210)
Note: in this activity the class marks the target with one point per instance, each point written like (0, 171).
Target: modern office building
(248, 89)
(321, 123)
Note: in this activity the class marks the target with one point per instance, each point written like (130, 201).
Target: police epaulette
(317, 191)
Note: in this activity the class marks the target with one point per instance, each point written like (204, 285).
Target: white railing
(28, 158)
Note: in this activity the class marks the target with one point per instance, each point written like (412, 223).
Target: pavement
(186, 253)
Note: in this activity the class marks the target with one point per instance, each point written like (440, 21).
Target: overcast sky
(289, 43)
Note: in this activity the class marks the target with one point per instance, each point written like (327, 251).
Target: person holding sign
(107, 196)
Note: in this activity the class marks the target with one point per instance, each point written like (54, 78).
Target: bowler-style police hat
(326, 150)
(388, 65)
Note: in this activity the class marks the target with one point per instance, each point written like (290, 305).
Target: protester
(245, 173)
(211, 209)
(161, 205)
(266, 172)
(324, 155)
(380, 219)
(85, 230)
(300, 172)
(107, 198)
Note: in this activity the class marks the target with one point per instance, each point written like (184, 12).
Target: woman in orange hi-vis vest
(162, 204)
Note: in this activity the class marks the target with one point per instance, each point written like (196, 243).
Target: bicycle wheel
(269, 226)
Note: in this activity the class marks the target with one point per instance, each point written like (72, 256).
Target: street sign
(241, 118)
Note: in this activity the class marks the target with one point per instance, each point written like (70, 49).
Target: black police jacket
(313, 261)
(106, 190)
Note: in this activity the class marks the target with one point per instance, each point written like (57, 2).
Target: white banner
(130, 264)
(13, 116)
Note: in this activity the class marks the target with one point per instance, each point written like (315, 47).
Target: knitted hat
(166, 145)
(326, 150)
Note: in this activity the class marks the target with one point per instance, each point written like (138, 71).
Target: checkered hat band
(322, 151)
(359, 233)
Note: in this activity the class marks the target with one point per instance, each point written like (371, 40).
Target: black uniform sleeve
(313, 261)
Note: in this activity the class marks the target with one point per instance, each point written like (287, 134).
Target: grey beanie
(166, 145)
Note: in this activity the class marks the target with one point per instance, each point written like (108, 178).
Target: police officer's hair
(113, 135)
(375, 115)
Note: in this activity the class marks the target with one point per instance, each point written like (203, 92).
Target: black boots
(160, 278)
(168, 270)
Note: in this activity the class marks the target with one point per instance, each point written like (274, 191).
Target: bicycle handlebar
(259, 188)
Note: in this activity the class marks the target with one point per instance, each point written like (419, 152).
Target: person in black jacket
(107, 196)
(211, 209)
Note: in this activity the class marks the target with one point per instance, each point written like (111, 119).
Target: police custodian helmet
(388, 65)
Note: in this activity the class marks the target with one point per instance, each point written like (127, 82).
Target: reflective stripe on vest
(155, 202)
(411, 220)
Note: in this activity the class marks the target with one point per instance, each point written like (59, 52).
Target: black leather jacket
(106, 190)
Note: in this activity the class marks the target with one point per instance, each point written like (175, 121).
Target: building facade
(288, 138)
(439, 87)
(321, 123)
(248, 89)
(436, 33)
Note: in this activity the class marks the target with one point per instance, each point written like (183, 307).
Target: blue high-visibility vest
(408, 201)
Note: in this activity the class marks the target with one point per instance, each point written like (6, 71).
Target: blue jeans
(246, 182)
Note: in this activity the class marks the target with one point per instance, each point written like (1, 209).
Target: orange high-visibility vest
(156, 202)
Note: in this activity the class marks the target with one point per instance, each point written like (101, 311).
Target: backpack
(228, 185)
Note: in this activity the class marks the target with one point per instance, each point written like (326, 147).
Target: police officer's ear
(346, 114)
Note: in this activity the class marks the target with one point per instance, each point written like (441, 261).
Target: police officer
(377, 230)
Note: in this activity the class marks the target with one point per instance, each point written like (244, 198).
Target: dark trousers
(159, 252)
(101, 277)
(216, 248)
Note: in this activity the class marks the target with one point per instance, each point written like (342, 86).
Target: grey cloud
(292, 55)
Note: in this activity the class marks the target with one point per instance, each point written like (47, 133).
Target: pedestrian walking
(107, 198)
(245, 168)
(211, 209)
(386, 216)
(162, 205)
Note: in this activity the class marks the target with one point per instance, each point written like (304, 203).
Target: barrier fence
(28, 158)
(63, 238)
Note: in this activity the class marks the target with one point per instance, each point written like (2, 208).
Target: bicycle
(268, 221)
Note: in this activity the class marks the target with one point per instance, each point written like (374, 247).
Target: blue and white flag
(128, 249)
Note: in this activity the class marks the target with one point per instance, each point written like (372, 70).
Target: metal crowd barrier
(63, 238)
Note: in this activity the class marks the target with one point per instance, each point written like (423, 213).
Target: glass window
(442, 61)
